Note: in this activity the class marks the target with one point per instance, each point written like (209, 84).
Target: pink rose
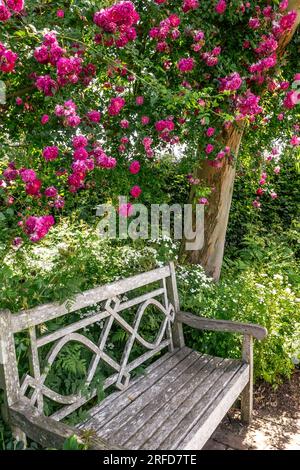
(209, 148)
(203, 201)
(15, 5)
(135, 191)
(220, 7)
(134, 167)
(145, 120)
(50, 153)
(139, 100)
(210, 131)
(44, 119)
(50, 192)
(186, 65)
(94, 116)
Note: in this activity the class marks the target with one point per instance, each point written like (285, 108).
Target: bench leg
(247, 394)
(19, 435)
(247, 404)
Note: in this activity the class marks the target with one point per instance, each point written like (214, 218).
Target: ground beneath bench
(275, 424)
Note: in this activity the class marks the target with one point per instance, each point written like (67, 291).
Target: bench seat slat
(203, 399)
(160, 417)
(132, 416)
(215, 412)
(165, 408)
(118, 401)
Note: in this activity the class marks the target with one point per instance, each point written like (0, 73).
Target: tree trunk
(217, 212)
(221, 180)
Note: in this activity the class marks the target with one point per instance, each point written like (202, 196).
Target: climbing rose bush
(90, 92)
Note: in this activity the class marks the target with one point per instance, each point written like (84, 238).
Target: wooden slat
(78, 325)
(179, 424)
(116, 402)
(95, 318)
(160, 402)
(140, 299)
(37, 396)
(132, 416)
(174, 404)
(213, 415)
(44, 313)
(9, 371)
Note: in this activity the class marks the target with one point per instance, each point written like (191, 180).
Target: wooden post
(247, 395)
(9, 370)
(177, 330)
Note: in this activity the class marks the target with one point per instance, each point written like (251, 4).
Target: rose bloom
(4, 13)
(44, 119)
(60, 13)
(15, 5)
(210, 131)
(135, 191)
(145, 120)
(94, 116)
(256, 204)
(220, 7)
(135, 167)
(186, 65)
(140, 100)
(209, 148)
(124, 124)
(50, 192)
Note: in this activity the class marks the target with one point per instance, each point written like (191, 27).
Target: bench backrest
(108, 307)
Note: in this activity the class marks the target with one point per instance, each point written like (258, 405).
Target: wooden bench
(176, 403)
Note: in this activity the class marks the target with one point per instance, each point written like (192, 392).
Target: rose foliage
(91, 91)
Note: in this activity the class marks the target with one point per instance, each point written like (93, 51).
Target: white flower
(260, 286)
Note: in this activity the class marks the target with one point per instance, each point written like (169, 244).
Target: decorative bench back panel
(108, 309)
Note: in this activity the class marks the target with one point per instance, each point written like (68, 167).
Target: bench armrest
(202, 323)
(46, 431)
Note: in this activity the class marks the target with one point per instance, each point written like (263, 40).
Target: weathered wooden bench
(176, 403)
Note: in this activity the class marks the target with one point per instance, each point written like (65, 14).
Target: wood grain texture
(37, 396)
(8, 361)
(47, 432)
(247, 395)
(44, 313)
(168, 425)
(156, 417)
(201, 323)
(220, 403)
(159, 411)
(134, 416)
(177, 330)
(118, 401)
